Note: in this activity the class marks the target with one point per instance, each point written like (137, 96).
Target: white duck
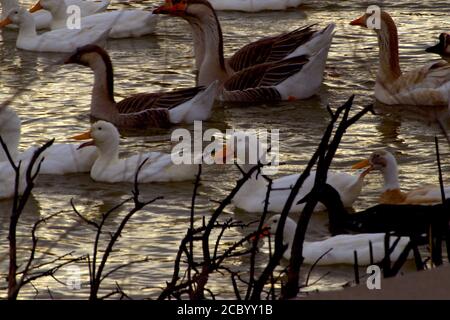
(43, 18)
(428, 85)
(252, 195)
(110, 168)
(58, 159)
(63, 40)
(343, 246)
(385, 162)
(283, 67)
(124, 23)
(254, 5)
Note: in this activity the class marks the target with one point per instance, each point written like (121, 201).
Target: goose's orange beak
(361, 164)
(170, 8)
(84, 136)
(361, 21)
(5, 22)
(36, 7)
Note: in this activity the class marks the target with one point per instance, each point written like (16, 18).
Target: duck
(342, 246)
(144, 110)
(443, 47)
(283, 67)
(403, 220)
(251, 197)
(424, 86)
(109, 168)
(63, 40)
(254, 5)
(385, 162)
(58, 159)
(124, 23)
(43, 18)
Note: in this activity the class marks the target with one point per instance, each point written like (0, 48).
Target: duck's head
(289, 227)
(87, 55)
(443, 47)
(15, 15)
(379, 160)
(103, 135)
(243, 148)
(185, 8)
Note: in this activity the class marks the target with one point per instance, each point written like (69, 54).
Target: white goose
(254, 5)
(63, 40)
(58, 159)
(343, 246)
(283, 67)
(427, 86)
(110, 168)
(252, 195)
(385, 162)
(43, 18)
(124, 23)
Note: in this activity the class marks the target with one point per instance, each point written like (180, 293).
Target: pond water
(56, 105)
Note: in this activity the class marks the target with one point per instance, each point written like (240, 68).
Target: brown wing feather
(146, 119)
(266, 74)
(270, 49)
(167, 100)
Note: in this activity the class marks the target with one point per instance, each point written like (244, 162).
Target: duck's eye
(274, 221)
(99, 128)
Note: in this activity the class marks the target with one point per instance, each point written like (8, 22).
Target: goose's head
(88, 55)
(50, 5)
(381, 160)
(104, 136)
(186, 9)
(369, 20)
(443, 47)
(15, 15)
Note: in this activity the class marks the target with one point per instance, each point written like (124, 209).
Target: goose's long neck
(213, 63)
(7, 6)
(103, 91)
(389, 68)
(390, 176)
(199, 41)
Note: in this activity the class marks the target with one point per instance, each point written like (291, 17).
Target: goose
(385, 162)
(254, 5)
(145, 110)
(111, 169)
(404, 220)
(59, 158)
(63, 40)
(427, 86)
(125, 23)
(43, 18)
(252, 195)
(342, 246)
(285, 67)
(443, 47)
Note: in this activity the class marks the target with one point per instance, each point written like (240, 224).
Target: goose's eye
(274, 221)
(99, 128)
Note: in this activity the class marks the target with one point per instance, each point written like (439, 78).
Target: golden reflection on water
(55, 105)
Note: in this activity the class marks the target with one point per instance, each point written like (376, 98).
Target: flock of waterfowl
(289, 66)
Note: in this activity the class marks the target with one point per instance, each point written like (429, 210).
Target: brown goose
(211, 64)
(144, 110)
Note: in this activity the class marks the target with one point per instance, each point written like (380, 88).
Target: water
(56, 105)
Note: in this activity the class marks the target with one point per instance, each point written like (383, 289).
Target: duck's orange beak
(361, 164)
(361, 21)
(36, 7)
(84, 136)
(5, 22)
(170, 8)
